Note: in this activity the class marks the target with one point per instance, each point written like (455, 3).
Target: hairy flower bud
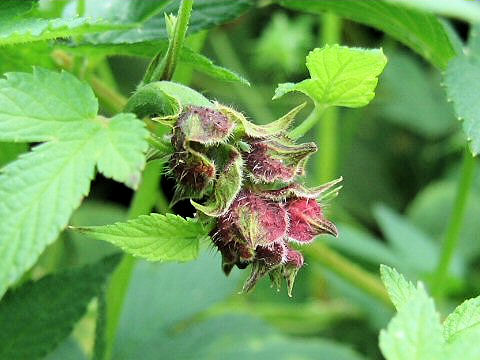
(277, 159)
(253, 220)
(307, 220)
(202, 125)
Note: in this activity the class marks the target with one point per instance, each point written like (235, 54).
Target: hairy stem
(308, 123)
(166, 67)
(454, 227)
(349, 271)
(108, 95)
(327, 128)
(146, 195)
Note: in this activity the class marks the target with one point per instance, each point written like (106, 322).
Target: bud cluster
(245, 179)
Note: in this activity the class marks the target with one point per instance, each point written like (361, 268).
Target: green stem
(145, 196)
(454, 227)
(327, 128)
(308, 123)
(142, 202)
(252, 99)
(349, 271)
(109, 96)
(165, 69)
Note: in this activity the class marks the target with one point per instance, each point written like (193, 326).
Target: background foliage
(410, 197)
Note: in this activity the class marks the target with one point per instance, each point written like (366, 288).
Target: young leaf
(39, 191)
(340, 76)
(415, 332)
(36, 317)
(154, 237)
(420, 31)
(399, 289)
(464, 316)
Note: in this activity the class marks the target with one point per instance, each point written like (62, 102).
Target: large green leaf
(36, 317)
(465, 10)
(418, 30)
(237, 337)
(39, 191)
(206, 14)
(340, 76)
(18, 26)
(154, 237)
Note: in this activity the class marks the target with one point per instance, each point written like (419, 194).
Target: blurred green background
(400, 158)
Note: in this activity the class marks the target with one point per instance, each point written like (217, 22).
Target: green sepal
(226, 187)
(164, 101)
(274, 128)
(191, 184)
(277, 159)
(299, 191)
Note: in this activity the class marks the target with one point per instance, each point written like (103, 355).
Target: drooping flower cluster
(243, 179)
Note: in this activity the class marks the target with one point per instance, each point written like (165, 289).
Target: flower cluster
(243, 179)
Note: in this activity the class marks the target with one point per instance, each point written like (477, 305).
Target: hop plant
(243, 179)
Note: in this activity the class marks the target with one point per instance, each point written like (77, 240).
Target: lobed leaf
(340, 76)
(40, 190)
(420, 31)
(36, 317)
(154, 237)
(43, 105)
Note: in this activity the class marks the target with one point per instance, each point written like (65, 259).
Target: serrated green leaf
(39, 191)
(153, 237)
(43, 105)
(16, 29)
(462, 79)
(22, 57)
(121, 155)
(415, 333)
(226, 187)
(399, 289)
(37, 316)
(464, 316)
(206, 14)
(340, 76)
(420, 31)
